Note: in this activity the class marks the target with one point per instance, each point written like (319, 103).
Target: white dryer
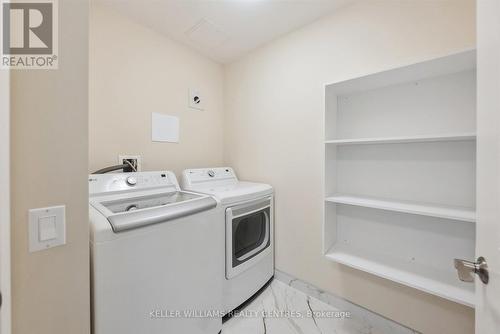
(155, 256)
(247, 214)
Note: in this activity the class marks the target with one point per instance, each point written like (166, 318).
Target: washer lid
(133, 212)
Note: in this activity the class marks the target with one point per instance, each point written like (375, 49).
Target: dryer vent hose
(127, 164)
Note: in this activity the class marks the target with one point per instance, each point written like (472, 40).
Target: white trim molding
(5, 274)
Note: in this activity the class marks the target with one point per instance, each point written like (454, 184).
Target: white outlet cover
(164, 128)
(196, 99)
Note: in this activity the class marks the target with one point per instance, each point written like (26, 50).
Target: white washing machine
(248, 219)
(155, 256)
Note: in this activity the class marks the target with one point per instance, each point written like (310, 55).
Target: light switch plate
(47, 228)
(196, 99)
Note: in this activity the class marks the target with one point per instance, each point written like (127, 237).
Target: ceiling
(224, 30)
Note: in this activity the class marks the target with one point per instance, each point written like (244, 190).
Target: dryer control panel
(218, 175)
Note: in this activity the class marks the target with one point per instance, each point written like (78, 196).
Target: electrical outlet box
(195, 99)
(133, 159)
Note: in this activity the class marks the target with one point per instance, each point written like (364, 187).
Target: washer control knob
(211, 173)
(131, 181)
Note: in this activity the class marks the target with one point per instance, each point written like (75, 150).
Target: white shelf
(423, 209)
(405, 139)
(442, 283)
(431, 158)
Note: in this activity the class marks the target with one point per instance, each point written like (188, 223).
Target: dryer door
(248, 235)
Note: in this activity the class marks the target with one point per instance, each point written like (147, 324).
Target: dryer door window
(250, 235)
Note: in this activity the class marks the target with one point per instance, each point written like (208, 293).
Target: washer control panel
(104, 183)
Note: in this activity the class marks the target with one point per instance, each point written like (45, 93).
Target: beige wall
(274, 133)
(134, 72)
(5, 310)
(49, 167)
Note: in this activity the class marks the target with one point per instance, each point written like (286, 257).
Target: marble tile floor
(282, 309)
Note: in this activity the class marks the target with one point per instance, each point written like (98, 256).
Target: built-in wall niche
(400, 171)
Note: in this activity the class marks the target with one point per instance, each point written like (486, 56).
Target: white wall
(49, 145)
(135, 71)
(274, 133)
